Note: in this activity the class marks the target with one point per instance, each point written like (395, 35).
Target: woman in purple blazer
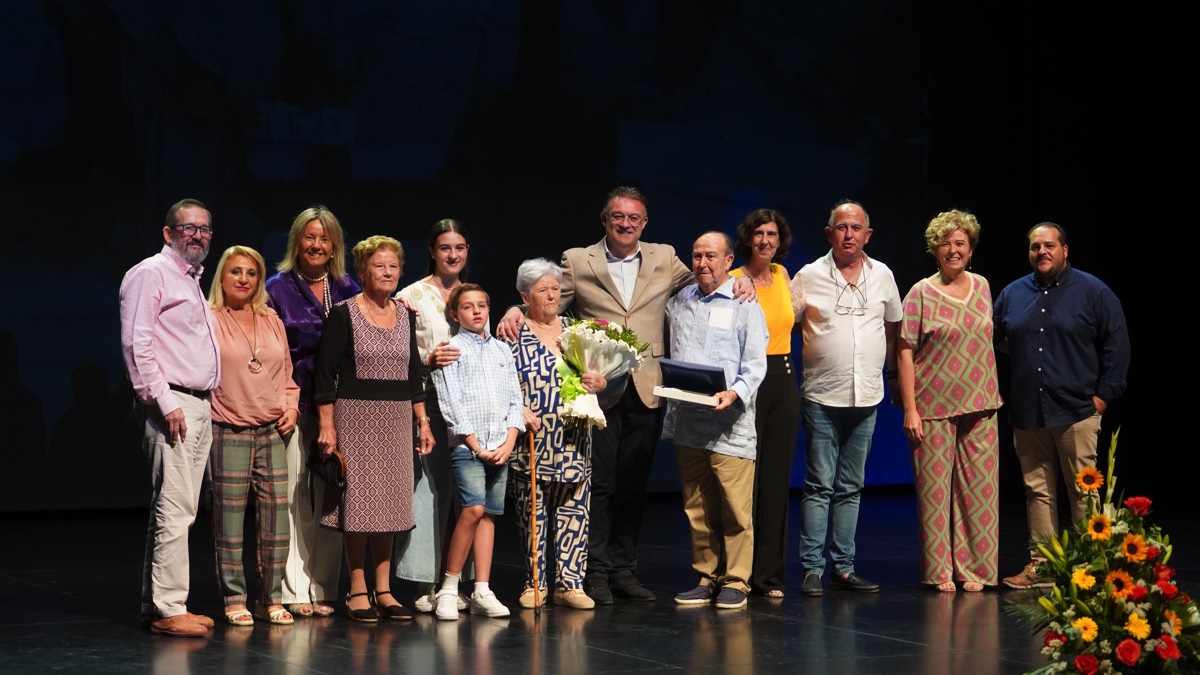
(311, 279)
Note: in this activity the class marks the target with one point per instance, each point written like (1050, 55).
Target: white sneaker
(464, 601)
(447, 605)
(487, 604)
(426, 598)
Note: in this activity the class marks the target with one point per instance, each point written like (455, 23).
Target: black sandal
(361, 615)
(396, 611)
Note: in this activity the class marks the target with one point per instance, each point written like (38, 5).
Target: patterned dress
(956, 464)
(373, 368)
(563, 469)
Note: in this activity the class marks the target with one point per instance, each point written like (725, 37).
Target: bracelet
(425, 419)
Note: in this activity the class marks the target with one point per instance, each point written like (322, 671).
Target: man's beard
(191, 254)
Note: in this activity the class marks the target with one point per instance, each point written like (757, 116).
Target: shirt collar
(724, 290)
(613, 258)
(475, 337)
(183, 265)
(1063, 277)
(866, 260)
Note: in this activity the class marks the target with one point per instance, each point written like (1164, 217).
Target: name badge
(720, 317)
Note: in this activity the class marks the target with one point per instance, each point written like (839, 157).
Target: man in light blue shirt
(715, 446)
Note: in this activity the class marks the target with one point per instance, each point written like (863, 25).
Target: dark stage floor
(69, 601)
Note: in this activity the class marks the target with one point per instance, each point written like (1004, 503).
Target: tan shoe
(526, 599)
(204, 621)
(574, 598)
(178, 626)
(1028, 578)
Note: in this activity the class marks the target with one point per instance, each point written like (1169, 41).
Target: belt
(198, 393)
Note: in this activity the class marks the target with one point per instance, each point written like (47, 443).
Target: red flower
(1151, 553)
(1128, 651)
(1051, 636)
(1162, 572)
(1137, 593)
(1185, 599)
(1168, 649)
(1169, 590)
(1139, 506)
(1087, 664)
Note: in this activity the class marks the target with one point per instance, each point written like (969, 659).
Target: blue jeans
(479, 484)
(838, 442)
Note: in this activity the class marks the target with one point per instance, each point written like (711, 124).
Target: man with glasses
(626, 281)
(168, 340)
(848, 308)
(1065, 333)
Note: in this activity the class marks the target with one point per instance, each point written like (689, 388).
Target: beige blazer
(588, 292)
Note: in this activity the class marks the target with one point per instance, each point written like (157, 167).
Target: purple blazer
(303, 319)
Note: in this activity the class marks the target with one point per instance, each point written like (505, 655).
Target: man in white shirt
(848, 308)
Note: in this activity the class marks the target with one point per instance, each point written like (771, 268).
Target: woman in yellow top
(763, 238)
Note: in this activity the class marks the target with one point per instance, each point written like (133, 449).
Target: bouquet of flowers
(1115, 607)
(593, 345)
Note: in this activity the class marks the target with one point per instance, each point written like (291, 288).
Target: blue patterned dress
(563, 468)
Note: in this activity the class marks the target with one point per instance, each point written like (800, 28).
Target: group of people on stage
(430, 410)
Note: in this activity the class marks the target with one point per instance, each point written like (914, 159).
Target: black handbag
(331, 469)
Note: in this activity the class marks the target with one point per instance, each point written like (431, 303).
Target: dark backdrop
(516, 117)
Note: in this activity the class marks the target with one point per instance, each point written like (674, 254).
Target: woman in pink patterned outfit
(950, 395)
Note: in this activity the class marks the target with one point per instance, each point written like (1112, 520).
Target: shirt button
(1041, 330)
(1043, 310)
(1039, 370)
(1039, 349)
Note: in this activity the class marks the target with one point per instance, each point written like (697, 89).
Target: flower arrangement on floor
(1115, 607)
(598, 346)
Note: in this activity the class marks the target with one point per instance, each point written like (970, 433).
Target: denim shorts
(479, 483)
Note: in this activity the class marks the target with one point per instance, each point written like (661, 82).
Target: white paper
(721, 317)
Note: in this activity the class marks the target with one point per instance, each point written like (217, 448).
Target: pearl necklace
(325, 287)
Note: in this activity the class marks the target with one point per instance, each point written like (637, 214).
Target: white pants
(176, 475)
(314, 561)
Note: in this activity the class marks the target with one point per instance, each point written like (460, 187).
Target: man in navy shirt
(1065, 333)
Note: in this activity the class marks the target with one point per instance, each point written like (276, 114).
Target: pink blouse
(245, 398)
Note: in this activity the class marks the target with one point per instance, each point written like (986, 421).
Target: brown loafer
(204, 621)
(178, 626)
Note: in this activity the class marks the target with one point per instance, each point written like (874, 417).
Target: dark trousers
(621, 458)
(777, 421)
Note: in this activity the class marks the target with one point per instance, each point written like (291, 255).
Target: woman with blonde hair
(369, 396)
(254, 414)
(311, 280)
(950, 396)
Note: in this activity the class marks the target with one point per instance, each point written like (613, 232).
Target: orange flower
(1121, 582)
(1134, 548)
(1090, 479)
(1174, 620)
(1082, 579)
(1099, 527)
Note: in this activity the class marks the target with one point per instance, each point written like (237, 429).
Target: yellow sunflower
(1090, 479)
(1087, 628)
(1134, 548)
(1100, 527)
(1121, 582)
(1082, 579)
(1173, 620)
(1137, 626)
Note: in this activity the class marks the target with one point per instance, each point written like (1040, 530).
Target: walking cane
(533, 538)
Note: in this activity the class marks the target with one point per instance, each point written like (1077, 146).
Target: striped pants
(241, 458)
(568, 503)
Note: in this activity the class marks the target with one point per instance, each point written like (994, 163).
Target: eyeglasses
(190, 229)
(617, 217)
(856, 293)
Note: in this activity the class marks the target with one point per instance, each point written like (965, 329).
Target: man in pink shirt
(168, 340)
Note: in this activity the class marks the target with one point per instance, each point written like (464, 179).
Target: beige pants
(718, 498)
(1042, 452)
(314, 561)
(176, 475)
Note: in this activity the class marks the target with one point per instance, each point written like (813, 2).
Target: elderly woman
(368, 392)
(764, 238)
(421, 553)
(950, 397)
(563, 484)
(254, 411)
(311, 280)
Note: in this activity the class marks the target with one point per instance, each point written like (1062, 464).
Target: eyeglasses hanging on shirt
(851, 298)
